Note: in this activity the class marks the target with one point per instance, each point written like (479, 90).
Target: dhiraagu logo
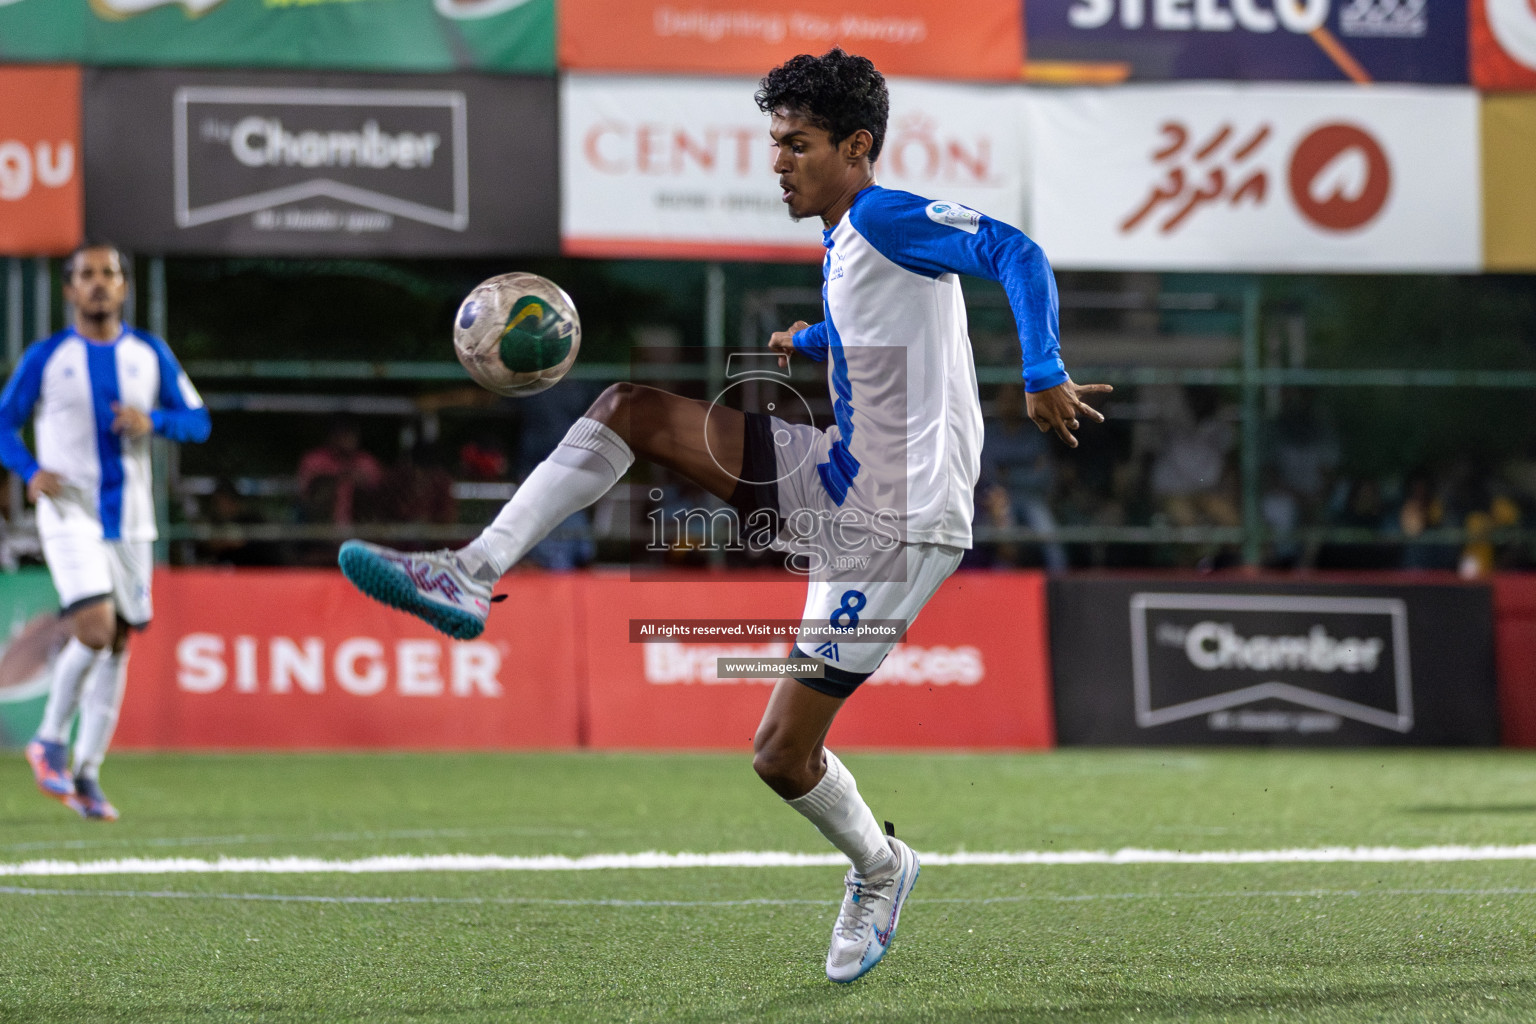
(954, 215)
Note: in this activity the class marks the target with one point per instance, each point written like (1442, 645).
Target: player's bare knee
(95, 625)
(789, 773)
(614, 408)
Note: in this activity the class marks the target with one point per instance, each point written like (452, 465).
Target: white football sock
(69, 671)
(583, 467)
(839, 813)
(98, 711)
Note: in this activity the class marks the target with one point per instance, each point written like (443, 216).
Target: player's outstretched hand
(43, 482)
(1057, 409)
(130, 422)
(783, 342)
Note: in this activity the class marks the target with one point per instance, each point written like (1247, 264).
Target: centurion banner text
(268, 163)
(393, 35)
(667, 167)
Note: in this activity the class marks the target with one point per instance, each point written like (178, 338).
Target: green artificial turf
(1264, 942)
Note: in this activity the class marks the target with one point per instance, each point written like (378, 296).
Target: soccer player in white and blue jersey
(94, 392)
(878, 505)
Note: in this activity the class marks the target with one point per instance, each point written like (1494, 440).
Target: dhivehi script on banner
(1295, 177)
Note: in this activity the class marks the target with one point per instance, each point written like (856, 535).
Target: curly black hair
(838, 92)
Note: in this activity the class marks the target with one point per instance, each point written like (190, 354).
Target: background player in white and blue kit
(888, 487)
(94, 392)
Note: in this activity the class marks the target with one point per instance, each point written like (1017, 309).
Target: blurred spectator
(483, 459)
(1018, 476)
(417, 489)
(1189, 476)
(338, 481)
(227, 512)
(1421, 509)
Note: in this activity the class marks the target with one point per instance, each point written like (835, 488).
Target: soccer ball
(517, 334)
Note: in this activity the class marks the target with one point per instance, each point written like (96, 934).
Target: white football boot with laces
(431, 585)
(867, 922)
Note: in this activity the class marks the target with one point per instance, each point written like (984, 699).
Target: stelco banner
(974, 39)
(40, 201)
(1138, 661)
(1253, 40)
(1324, 178)
(397, 35)
(664, 167)
(251, 163)
(1503, 36)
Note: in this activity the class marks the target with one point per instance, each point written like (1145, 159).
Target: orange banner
(40, 196)
(966, 39)
(973, 672)
(298, 659)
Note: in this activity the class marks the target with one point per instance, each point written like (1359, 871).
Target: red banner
(973, 671)
(1514, 651)
(40, 197)
(1503, 36)
(972, 39)
(294, 659)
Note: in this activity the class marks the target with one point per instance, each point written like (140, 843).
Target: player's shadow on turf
(1472, 809)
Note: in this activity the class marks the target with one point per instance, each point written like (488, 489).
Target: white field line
(750, 859)
(523, 901)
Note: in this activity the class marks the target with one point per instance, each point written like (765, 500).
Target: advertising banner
(290, 659)
(972, 671)
(670, 167)
(972, 39)
(1509, 195)
(1248, 40)
(1165, 661)
(1273, 178)
(297, 165)
(40, 202)
(393, 35)
(1503, 34)
(33, 633)
(1514, 611)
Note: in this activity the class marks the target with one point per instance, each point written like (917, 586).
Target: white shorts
(87, 569)
(855, 576)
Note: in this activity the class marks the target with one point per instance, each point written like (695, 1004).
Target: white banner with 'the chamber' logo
(1257, 178)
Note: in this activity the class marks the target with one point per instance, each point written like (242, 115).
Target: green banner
(385, 35)
(30, 633)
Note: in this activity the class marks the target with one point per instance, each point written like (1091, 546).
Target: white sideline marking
(263, 897)
(750, 859)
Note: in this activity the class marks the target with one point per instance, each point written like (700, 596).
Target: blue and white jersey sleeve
(933, 238)
(181, 415)
(16, 405)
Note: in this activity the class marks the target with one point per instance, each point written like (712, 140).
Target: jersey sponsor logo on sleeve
(955, 216)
